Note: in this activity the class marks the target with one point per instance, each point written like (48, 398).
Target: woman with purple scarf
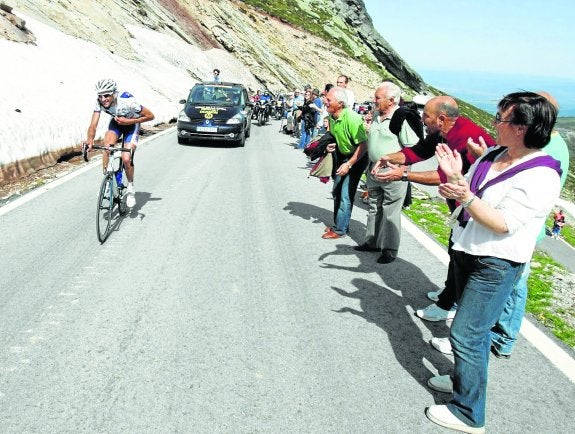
(503, 202)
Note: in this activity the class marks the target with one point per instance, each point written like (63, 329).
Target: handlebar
(110, 149)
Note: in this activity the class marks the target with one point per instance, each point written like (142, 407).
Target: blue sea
(485, 89)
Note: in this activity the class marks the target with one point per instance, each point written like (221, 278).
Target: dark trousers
(448, 296)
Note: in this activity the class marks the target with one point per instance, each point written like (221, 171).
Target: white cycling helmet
(107, 85)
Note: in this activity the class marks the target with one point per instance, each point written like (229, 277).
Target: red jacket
(456, 138)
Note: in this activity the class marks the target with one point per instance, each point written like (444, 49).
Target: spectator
(558, 223)
(504, 201)
(350, 159)
(324, 113)
(288, 105)
(307, 119)
(318, 103)
(385, 199)
(296, 111)
(343, 81)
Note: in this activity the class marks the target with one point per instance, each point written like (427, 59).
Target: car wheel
(248, 130)
(242, 142)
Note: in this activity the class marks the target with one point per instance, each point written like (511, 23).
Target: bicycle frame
(111, 193)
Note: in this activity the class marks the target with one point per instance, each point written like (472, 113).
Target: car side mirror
(182, 101)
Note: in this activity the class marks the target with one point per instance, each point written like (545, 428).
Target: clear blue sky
(512, 36)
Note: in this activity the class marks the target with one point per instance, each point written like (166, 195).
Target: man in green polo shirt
(350, 158)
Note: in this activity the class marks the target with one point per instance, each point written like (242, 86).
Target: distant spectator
(296, 110)
(307, 119)
(558, 223)
(343, 81)
(317, 101)
(324, 113)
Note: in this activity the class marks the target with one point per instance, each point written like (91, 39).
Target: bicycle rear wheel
(105, 208)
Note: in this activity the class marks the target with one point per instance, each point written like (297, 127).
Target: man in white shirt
(342, 81)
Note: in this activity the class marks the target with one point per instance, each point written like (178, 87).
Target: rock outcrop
(12, 27)
(282, 54)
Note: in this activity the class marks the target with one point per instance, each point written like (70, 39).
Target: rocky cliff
(321, 39)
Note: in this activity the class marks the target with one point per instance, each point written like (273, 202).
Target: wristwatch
(404, 177)
(349, 166)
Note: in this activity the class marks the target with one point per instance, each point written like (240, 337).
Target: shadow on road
(389, 307)
(142, 198)
(316, 214)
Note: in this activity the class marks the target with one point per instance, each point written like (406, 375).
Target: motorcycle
(263, 111)
(278, 109)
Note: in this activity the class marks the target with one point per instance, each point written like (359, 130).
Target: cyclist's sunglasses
(104, 95)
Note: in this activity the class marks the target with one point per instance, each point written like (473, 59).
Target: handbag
(324, 166)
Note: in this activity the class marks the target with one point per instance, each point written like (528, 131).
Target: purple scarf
(485, 164)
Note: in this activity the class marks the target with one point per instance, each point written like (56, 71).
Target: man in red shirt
(442, 124)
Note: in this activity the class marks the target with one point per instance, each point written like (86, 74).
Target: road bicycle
(111, 198)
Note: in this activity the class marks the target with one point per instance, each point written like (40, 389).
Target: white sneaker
(442, 345)
(441, 383)
(131, 196)
(441, 415)
(435, 313)
(434, 295)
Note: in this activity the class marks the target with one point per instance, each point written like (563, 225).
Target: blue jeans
(344, 189)
(305, 136)
(482, 284)
(504, 332)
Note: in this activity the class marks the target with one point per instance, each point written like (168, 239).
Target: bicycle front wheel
(121, 199)
(105, 208)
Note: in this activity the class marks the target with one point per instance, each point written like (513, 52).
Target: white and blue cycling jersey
(125, 106)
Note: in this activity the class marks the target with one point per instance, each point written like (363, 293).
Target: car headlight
(183, 117)
(234, 120)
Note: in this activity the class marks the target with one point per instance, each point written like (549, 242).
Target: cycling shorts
(131, 133)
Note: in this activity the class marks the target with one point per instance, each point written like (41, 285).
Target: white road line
(553, 352)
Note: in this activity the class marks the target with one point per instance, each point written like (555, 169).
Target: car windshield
(214, 95)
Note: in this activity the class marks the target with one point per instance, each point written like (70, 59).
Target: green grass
(431, 215)
(540, 298)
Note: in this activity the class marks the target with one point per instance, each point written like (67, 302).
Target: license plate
(207, 129)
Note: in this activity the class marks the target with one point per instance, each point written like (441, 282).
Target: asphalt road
(216, 307)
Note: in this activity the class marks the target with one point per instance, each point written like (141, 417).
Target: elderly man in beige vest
(385, 198)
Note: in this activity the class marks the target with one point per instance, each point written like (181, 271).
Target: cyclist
(127, 115)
